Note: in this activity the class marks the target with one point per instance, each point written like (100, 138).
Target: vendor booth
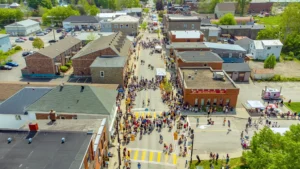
(280, 130)
(254, 107)
(271, 94)
(161, 72)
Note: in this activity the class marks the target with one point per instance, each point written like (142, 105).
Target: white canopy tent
(255, 104)
(280, 130)
(161, 72)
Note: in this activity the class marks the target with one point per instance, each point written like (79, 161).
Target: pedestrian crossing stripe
(151, 156)
(143, 155)
(137, 114)
(166, 157)
(154, 115)
(143, 114)
(174, 159)
(158, 156)
(136, 154)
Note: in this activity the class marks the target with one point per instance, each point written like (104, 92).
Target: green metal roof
(72, 99)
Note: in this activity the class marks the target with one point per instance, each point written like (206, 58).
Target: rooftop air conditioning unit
(218, 75)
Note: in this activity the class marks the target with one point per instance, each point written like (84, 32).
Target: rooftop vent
(9, 140)
(63, 140)
(218, 75)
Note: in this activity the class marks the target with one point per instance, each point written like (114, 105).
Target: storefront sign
(208, 91)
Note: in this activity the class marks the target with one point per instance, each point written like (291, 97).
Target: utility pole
(119, 142)
(192, 137)
(52, 25)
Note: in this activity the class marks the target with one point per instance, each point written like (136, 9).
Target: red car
(23, 38)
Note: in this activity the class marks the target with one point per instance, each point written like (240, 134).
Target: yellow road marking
(174, 159)
(154, 115)
(137, 114)
(151, 156)
(148, 114)
(143, 155)
(158, 156)
(136, 153)
(143, 114)
(166, 157)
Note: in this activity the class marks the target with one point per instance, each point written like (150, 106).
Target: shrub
(68, 65)
(18, 48)
(64, 68)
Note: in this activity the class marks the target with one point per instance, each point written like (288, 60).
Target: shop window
(215, 101)
(202, 102)
(101, 73)
(196, 102)
(208, 102)
(227, 102)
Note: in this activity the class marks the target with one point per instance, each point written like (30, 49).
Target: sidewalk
(238, 113)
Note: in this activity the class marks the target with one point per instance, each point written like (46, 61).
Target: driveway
(14, 74)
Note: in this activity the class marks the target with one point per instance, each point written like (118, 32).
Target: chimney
(33, 127)
(52, 115)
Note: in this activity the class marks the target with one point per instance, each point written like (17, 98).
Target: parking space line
(158, 156)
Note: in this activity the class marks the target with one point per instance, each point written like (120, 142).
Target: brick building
(60, 144)
(250, 31)
(47, 61)
(186, 46)
(207, 87)
(101, 59)
(180, 22)
(186, 36)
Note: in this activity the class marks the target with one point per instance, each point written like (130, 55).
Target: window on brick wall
(99, 153)
(101, 73)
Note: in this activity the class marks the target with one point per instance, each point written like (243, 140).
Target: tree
(46, 4)
(242, 6)
(94, 10)
(270, 62)
(212, 5)
(292, 44)
(33, 3)
(91, 37)
(146, 10)
(159, 5)
(290, 20)
(227, 19)
(8, 16)
(58, 14)
(269, 33)
(38, 43)
(144, 25)
(272, 150)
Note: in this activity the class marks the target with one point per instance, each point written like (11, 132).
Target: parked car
(31, 38)
(19, 40)
(230, 41)
(58, 30)
(52, 41)
(5, 67)
(61, 37)
(25, 53)
(40, 34)
(23, 38)
(13, 64)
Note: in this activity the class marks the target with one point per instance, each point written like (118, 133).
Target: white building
(23, 28)
(81, 22)
(102, 16)
(261, 49)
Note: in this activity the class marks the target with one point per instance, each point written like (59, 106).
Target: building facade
(250, 31)
(180, 22)
(238, 72)
(224, 8)
(81, 22)
(23, 28)
(261, 49)
(126, 24)
(5, 44)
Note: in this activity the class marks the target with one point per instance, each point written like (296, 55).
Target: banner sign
(208, 91)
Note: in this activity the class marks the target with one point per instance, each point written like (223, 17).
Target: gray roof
(242, 26)
(117, 42)
(183, 18)
(227, 6)
(3, 35)
(224, 46)
(187, 45)
(199, 56)
(114, 61)
(24, 23)
(72, 99)
(22, 99)
(81, 19)
(46, 150)
(236, 67)
(244, 41)
(59, 47)
(125, 19)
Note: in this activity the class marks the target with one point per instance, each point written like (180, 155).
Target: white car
(40, 34)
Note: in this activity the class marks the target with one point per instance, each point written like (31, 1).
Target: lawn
(234, 163)
(271, 20)
(2, 31)
(294, 106)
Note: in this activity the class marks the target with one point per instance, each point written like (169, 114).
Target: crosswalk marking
(151, 156)
(137, 114)
(143, 114)
(158, 157)
(143, 155)
(166, 157)
(154, 115)
(174, 159)
(136, 153)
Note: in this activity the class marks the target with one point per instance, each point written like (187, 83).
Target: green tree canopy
(58, 14)
(242, 6)
(8, 16)
(94, 10)
(269, 33)
(144, 25)
(227, 19)
(146, 10)
(46, 4)
(270, 62)
(38, 43)
(271, 150)
(292, 44)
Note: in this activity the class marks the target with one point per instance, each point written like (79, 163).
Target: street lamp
(119, 149)
(192, 137)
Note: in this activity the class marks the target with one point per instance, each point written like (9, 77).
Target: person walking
(217, 157)
(224, 122)
(139, 165)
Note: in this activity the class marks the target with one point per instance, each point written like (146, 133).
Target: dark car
(12, 64)
(5, 67)
(52, 41)
(61, 37)
(31, 38)
(25, 53)
(230, 41)
(58, 30)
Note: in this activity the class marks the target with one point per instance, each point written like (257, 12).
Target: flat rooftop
(204, 79)
(85, 125)
(46, 150)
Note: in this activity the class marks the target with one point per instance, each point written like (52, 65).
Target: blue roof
(21, 100)
(233, 60)
(224, 46)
